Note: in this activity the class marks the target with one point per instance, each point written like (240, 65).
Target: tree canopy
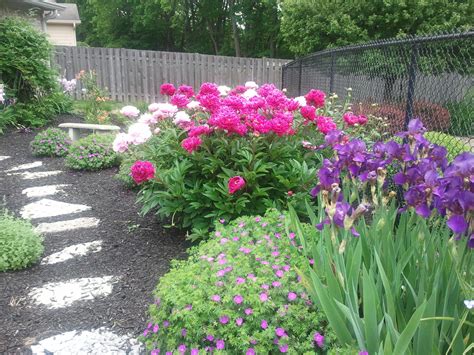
(257, 28)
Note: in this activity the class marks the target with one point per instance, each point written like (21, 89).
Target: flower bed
(222, 153)
(239, 293)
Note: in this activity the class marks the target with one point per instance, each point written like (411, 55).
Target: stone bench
(75, 128)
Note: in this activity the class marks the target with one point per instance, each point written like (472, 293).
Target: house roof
(42, 4)
(69, 14)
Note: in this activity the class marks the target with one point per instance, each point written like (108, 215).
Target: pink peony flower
(199, 130)
(120, 144)
(167, 89)
(191, 144)
(142, 171)
(186, 90)
(316, 98)
(179, 100)
(308, 112)
(209, 89)
(362, 119)
(235, 183)
(326, 124)
(130, 111)
(350, 118)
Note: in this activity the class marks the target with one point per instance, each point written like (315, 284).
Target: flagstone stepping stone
(68, 225)
(41, 191)
(37, 175)
(3, 157)
(95, 341)
(50, 208)
(26, 166)
(55, 295)
(72, 252)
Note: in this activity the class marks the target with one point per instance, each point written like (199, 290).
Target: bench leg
(74, 134)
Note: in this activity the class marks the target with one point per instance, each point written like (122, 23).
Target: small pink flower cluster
(352, 119)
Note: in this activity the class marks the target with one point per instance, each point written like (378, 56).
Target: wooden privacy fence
(136, 75)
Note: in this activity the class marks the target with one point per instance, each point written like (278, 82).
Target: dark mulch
(138, 249)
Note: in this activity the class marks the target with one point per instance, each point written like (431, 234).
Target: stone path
(57, 295)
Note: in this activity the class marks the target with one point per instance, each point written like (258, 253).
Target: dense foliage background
(256, 28)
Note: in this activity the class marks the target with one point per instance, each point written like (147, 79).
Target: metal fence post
(331, 79)
(411, 84)
(300, 74)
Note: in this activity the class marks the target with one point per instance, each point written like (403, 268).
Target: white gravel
(25, 166)
(50, 208)
(70, 224)
(96, 341)
(41, 191)
(72, 252)
(63, 294)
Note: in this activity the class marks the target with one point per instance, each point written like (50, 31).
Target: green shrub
(193, 188)
(462, 119)
(20, 245)
(93, 152)
(52, 142)
(454, 145)
(236, 270)
(24, 63)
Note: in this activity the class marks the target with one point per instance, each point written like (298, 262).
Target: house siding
(62, 34)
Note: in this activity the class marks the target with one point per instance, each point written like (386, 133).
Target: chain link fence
(429, 77)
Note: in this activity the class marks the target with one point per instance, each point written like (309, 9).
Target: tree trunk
(214, 43)
(235, 30)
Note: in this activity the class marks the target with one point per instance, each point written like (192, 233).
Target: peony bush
(239, 293)
(222, 152)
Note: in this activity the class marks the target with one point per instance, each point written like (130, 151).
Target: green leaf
(406, 336)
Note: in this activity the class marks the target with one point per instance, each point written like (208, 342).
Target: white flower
(157, 130)
(249, 94)
(147, 118)
(130, 111)
(301, 100)
(193, 105)
(224, 90)
(120, 144)
(251, 85)
(139, 133)
(153, 107)
(469, 304)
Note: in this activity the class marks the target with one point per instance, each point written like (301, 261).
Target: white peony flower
(251, 85)
(130, 111)
(139, 133)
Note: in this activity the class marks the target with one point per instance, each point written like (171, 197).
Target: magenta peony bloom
(186, 90)
(167, 89)
(316, 98)
(191, 144)
(179, 100)
(235, 183)
(308, 112)
(142, 171)
(350, 118)
(326, 124)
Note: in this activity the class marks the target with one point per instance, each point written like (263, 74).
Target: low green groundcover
(93, 152)
(52, 142)
(239, 293)
(20, 245)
